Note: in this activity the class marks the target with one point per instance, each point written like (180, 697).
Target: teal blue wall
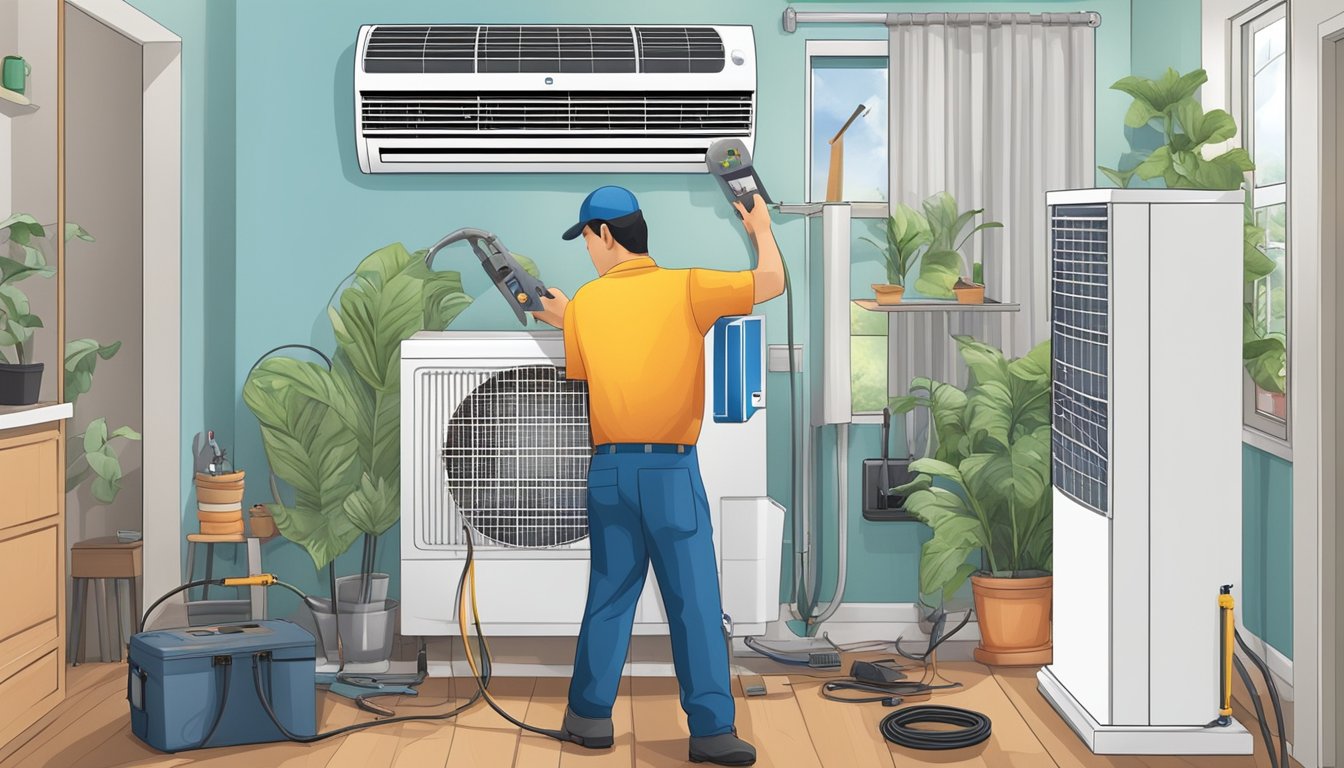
(276, 213)
(1267, 548)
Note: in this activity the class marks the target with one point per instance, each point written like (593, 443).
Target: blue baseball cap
(605, 203)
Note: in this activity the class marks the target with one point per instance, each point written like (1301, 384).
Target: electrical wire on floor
(1275, 761)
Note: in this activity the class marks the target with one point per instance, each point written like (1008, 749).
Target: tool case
(178, 679)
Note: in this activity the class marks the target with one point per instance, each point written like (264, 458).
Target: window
(1262, 102)
(841, 75)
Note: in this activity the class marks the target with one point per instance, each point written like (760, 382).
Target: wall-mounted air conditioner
(445, 98)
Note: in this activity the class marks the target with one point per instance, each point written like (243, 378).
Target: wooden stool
(99, 560)
(257, 596)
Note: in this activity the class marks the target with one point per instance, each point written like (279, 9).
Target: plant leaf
(1140, 114)
(938, 273)
(1266, 362)
(990, 409)
(1203, 128)
(373, 508)
(1156, 164)
(81, 358)
(73, 230)
(1119, 178)
(985, 361)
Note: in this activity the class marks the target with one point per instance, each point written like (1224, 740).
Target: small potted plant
(985, 488)
(941, 273)
(907, 233)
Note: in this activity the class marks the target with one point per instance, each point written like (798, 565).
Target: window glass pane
(1268, 316)
(839, 84)
(1271, 105)
(868, 372)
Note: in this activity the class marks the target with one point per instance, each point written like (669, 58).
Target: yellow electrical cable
(1227, 604)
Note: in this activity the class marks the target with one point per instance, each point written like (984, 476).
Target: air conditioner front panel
(438, 98)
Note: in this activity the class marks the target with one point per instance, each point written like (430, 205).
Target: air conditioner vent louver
(432, 49)
(556, 49)
(420, 114)
(1080, 323)
(680, 49)
(515, 458)
(465, 49)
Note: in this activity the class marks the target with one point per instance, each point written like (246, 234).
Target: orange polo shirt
(637, 335)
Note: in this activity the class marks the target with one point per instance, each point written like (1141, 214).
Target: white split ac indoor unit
(494, 437)
(443, 98)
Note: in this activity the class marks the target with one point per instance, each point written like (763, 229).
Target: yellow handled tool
(1225, 606)
(255, 580)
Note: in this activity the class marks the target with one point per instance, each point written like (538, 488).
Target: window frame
(861, 48)
(1260, 429)
(858, 49)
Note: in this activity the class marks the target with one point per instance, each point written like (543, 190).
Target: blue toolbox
(194, 687)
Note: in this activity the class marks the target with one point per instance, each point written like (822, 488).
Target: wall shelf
(857, 210)
(936, 305)
(15, 104)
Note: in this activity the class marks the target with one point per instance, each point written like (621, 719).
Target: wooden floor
(790, 726)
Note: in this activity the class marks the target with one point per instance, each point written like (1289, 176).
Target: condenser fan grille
(515, 458)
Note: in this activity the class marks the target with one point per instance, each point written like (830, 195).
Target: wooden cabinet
(32, 576)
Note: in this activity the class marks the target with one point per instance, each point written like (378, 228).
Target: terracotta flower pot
(888, 295)
(968, 292)
(230, 496)
(262, 523)
(219, 517)
(1014, 617)
(223, 529)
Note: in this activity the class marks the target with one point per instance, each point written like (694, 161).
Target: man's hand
(553, 310)
(757, 220)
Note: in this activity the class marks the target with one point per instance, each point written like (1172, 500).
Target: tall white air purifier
(1145, 289)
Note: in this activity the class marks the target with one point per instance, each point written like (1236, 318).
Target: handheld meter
(730, 163)
(520, 289)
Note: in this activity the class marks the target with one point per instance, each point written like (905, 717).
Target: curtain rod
(792, 18)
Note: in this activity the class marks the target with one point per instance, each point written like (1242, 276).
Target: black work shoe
(723, 749)
(589, 732)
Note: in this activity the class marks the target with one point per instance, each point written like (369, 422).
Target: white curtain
(995, 109)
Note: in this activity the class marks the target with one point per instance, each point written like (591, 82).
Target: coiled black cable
(223, 701)
(973, 727)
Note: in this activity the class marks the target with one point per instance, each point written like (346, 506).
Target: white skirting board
(1141, 739)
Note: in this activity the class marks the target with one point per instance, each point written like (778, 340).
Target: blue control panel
(738, 368)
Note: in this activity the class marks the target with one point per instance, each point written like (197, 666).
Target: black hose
(936, 639)
(1259, 710)
(481, 684)
(973, 727)
(1274, 699)
(223, 701)
(176, 590)
(270, 711)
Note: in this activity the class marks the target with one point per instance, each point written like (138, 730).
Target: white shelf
(936, 305)
(15, 416)
(15, 104)
(857, 210)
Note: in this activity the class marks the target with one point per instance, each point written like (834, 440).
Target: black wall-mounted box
(890, 509)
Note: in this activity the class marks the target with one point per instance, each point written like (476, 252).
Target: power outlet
(777, 358)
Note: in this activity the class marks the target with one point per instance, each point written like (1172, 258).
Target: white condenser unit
(1145, 301)
(495, 445)
(444, 98)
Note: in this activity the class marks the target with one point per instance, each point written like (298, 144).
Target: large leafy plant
(941, 266)
(1169, 105)
(333, 435)
(92, 454)
(984, 482)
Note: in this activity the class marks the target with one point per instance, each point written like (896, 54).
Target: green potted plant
(940, 273)
(333, 434)
(1168, 106)
(92, 454)
(983, 486)
(907, 233)
(1264, 350)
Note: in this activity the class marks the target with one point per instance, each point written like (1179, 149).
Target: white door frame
(161, 80)
(1330, 41)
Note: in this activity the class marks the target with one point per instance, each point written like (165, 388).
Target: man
(637, 335)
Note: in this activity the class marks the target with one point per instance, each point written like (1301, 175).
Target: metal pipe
(842, 523)
(793, 18)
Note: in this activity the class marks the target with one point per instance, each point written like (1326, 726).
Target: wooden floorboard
(792, 726)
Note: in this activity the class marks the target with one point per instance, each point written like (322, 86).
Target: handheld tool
(730, 163)
(521, 290)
